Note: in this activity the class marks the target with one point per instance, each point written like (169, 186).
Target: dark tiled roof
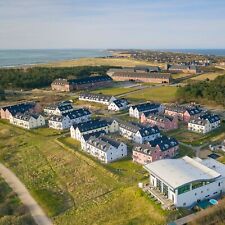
(76, 113)
(57, 118)
(120, 102)
(160, 118)
(26, 116)
(19, 108)
(194, 110)
(95, 134)
(164, 143)
(144, 148)
(147, 131)
(146, 106)
(91, 125)
(142, 75)
(96, 97)
(63, 108)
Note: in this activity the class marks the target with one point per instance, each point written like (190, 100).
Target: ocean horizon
(23, 57)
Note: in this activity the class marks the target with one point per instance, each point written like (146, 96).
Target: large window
(183, 189)
(197, 185)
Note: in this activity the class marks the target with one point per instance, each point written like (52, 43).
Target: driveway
(18, 187)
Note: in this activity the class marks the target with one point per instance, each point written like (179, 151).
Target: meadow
(72, 186)
(210, 76)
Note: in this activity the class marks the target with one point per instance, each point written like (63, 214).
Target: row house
(86, 83)
(8, 111)
(204, 123)
(97, 98)
(58, 109)
(105, 148)
(163, 122)
(137, 110)
(184, 113)
(160, 148)
(137, 132)
(67, 119)
(89, 127)
(28, 120)
(118, 105)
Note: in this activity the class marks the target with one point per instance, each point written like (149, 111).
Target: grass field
(158, 94)
(71, 186)
(210, 76)
(12, 211)
(99, 62)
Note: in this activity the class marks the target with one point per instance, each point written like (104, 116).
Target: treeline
(38, 77)
(2, 94)
(204, 91)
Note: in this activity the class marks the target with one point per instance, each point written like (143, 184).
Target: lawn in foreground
(72, 187)
(158, 94)
(210, 76)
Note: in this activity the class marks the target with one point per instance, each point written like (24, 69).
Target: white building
(105, 149)
(204, 123)
(186, 181)
(137, 132)
(137, 110)
(98, 98)
(58, 109)
(67, 119)
(117, 105)
(27, 120)
(92, 126)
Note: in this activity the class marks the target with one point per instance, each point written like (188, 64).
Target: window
(197, 185)
(183, 189)
(219, 184)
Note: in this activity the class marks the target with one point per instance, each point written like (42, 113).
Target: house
(137, 132)
(163, 122)
(146, 77)
(92, 126)
(161, 148)
(118, 104)
(105, 148)
(137, 110)
(80, 84)
(186, 181)
(8, 111)
(27, 120)
(204, 123)
(67, 119)
(182, 68)
(98, 98)
(58, 109)
(184, 113)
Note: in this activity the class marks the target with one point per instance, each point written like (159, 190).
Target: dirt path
(18, 187)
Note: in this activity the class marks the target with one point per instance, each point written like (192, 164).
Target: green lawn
(158, 94)
(114, 90)
(12, 211)
(71, 186)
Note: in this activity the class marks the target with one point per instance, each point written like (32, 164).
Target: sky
(103, 24)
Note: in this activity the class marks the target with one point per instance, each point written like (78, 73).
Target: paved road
(22, 192)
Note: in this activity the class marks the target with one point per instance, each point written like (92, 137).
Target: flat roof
(178, 172)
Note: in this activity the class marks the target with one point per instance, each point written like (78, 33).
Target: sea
(15, 58)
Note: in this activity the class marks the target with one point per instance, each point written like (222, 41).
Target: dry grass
(210, 76)
(99, 62)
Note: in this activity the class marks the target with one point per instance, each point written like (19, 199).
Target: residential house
(204, 123)
(27, 120)
(105, 148)
(92, 126)
(163, 122)
(186, 181)
(137, 110)
(118, 104)
(97, 98)
(58, 109)
(161, 148)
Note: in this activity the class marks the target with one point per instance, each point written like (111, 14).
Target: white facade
(30, 123)
(117, 107)
(186, 181)
(111, 154)
(104, 101)
(59, 123)
(75, 133)
(58, 110)
(202, 127)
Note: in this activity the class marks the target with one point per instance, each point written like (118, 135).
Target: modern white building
(186, 181)
(137, 110)
(58, 109)
(105, 148)
(89, 127)
(67, 119)
(27, 120)
(117, 105)
(204, 123)
(136, 132)
(97, 98)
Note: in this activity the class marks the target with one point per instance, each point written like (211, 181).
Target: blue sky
(112, 24)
